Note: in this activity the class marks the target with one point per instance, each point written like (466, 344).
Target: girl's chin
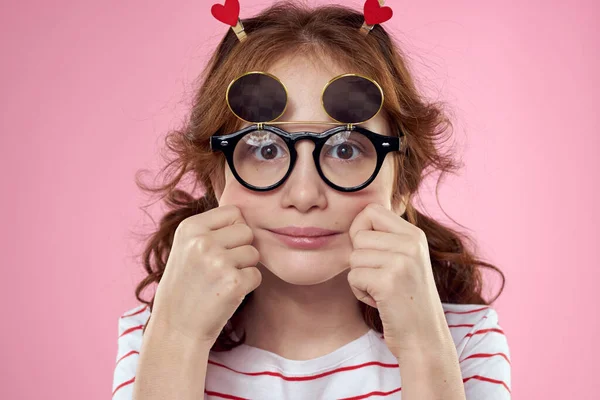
(321, 265)
(306, 274)
(287, 256)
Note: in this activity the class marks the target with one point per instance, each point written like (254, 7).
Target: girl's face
(304, 200)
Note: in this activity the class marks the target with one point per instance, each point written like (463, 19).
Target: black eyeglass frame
(383, 145)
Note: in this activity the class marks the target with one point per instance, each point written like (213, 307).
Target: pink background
(90, 88)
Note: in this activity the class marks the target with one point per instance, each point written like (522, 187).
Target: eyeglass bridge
(260, 125)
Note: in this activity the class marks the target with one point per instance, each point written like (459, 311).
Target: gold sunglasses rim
(273, 121)
(256, 72)
(361, 76)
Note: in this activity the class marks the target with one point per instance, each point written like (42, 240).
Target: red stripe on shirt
(479, 332)
(135, 328)
(486, 355)
(483, 378)
(129, 382)
(466, 312)
(306, 378)
(464, 325)
(127, 355)
(364, 396)
(135, 313)
(223, 395)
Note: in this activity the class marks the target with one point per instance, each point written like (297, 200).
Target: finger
(378, 218)
(360, 281)
(244, 256)
(251, 278)
(233, 236)
(376, 240)
(368, 258)
(210, 220)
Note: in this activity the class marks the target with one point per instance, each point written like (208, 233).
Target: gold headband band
(374, 12)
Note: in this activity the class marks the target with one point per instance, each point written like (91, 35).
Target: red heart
(228, 13)
(375, 13)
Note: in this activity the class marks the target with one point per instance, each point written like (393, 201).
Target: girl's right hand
(210, 269)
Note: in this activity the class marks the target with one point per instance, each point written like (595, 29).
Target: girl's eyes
(348, 149)
(266, 152)
(344, 151)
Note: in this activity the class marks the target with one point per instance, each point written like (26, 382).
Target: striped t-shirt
(361, 369)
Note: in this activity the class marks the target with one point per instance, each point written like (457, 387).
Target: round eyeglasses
(347, 158)
(262, 156)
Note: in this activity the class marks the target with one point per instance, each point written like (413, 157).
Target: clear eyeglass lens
(348, 158)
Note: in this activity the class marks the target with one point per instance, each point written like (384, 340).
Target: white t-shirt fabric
(362, 369)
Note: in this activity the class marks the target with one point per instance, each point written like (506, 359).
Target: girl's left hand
(390, 270)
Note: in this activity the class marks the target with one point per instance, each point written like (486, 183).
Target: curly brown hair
(285, 29)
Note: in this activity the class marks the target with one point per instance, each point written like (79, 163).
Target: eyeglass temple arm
(303, 122)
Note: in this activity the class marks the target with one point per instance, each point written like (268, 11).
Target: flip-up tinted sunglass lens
(352, 99)
(257, 97)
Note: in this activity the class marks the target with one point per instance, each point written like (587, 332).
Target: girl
(304, 270)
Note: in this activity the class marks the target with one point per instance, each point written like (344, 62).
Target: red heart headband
(229, 14)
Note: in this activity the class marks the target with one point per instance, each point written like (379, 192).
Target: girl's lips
(303, 231)
(305, 242)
